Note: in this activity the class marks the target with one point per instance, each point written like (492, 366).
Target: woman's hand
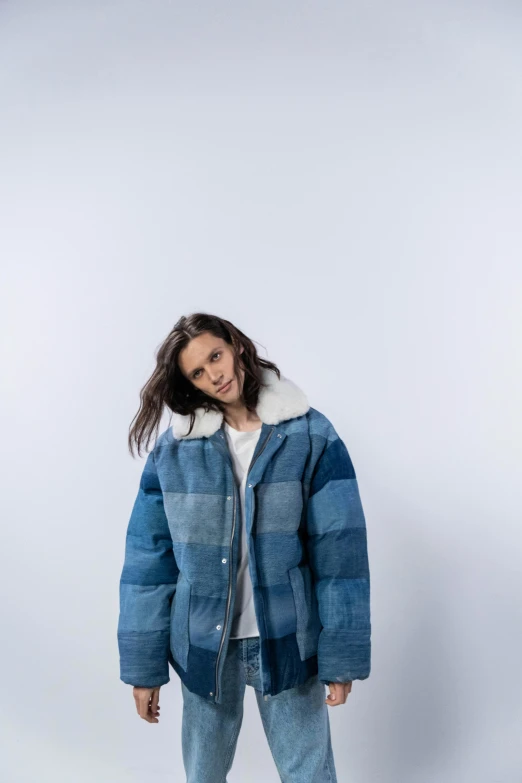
(338, 693)
(147, 703)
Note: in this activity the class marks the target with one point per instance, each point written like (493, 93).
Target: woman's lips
(225, 388)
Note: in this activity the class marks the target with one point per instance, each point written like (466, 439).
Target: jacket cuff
(344, 656)
(144, 658)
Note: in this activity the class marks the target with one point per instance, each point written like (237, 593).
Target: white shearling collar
(280, 400)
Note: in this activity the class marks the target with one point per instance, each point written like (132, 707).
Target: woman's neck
(240, 418)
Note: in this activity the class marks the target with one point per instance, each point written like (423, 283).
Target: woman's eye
(196, 374)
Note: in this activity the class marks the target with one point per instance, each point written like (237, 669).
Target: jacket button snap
(211, 693)
(279, 436)
(218, 627)
(250, 485)
(229, 497)
(224, 560)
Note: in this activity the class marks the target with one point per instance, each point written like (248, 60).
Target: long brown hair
(167, 386)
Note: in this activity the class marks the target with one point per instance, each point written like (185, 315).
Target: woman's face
(208, 363)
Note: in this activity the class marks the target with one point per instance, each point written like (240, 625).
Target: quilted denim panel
(179, 625)
(307, 622)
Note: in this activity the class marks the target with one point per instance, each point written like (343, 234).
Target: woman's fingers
(339, 692)
(154, 702)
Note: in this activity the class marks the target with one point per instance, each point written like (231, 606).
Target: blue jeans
(295, 721)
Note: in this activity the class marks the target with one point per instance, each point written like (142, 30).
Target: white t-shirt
(242, 446)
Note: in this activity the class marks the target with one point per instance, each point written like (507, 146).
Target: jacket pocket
(179, 621)
(308, 626)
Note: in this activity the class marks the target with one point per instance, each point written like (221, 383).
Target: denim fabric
(296, 724)
(307, 554)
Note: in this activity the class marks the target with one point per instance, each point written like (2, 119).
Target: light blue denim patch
(179, 624)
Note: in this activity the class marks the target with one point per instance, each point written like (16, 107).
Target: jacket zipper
(236, 490)
(229, 592)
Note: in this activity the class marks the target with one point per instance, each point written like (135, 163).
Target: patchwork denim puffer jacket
(307, 547)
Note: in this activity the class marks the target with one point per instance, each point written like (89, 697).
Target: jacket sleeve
(147, 584)
(338, 555)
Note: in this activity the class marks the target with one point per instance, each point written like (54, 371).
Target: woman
(246, 556)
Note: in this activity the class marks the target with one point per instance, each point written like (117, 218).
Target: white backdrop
(342, 181)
